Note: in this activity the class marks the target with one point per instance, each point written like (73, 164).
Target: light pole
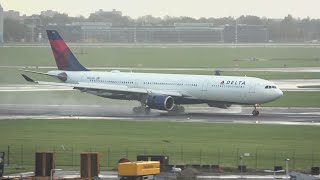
(52, 171)
(287, 168)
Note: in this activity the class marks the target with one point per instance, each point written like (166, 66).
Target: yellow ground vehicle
(138, 170)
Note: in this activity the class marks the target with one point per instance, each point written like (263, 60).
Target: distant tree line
(288, 29)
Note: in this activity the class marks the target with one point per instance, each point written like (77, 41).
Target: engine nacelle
(219, 105)
(160, 102)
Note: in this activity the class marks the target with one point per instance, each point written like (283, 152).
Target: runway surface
(236, 114)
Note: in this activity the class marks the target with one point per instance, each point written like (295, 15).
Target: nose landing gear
(255, 111)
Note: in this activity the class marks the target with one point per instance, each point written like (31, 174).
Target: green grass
(211, 57)
(190, 143)
(207, 57)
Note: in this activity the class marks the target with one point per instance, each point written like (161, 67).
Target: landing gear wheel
(255, 112)
(141, 110)
(136, 110)
(147, 110)
(181, 109)
(177, 110)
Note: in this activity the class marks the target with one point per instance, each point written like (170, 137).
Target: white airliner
(157, 91)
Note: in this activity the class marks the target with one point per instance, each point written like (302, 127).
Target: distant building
(32, 22)
(1, 24)
(244, 33)
(49, 13)
(11, 14)
(113, 12)
(106, 32)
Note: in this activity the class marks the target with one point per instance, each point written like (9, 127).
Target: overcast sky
(160, 8)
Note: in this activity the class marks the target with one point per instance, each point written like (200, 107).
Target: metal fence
(69, 156)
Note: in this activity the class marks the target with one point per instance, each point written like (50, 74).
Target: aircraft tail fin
(65, 59)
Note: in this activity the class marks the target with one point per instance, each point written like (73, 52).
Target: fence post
(21, 155)
(8, 154)
(256, 163)
(181, 153)
(108, 156)
(237, 158)
(218, 156)
(275, 159)
(200, 156)
(294, 159)
(72, 154)
(312, 158)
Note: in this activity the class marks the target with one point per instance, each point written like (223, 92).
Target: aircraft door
(136, 83)
(252, 88)
(204, 89)
(204, 86)
(83, 78)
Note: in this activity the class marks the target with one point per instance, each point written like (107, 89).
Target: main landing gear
(177, 110)
(143, 109)
(255, 111)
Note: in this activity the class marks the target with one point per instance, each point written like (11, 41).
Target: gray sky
(160, 8)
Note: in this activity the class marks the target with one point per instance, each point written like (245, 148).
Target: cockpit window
(269, 87)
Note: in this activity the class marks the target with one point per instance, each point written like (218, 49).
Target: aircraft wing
(109, 88)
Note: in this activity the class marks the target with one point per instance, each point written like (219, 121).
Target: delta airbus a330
(157, 91)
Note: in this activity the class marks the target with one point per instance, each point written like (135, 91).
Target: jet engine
(160, 102)
(220, 105)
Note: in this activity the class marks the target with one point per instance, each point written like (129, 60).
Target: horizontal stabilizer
(27, 78)
(42, 73)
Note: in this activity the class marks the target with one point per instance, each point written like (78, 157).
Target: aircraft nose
(279, 93)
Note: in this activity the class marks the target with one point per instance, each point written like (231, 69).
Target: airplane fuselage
(196, 88)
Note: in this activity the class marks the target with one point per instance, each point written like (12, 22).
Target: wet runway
(236, 114)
